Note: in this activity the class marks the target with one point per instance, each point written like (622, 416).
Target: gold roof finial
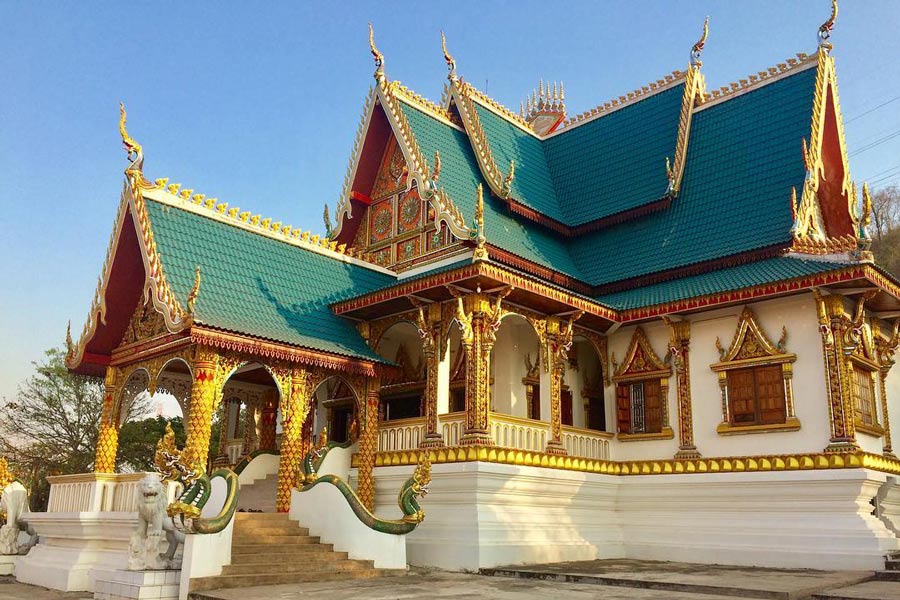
(697, 48)
(451, 62)
(866, 218)
(377, 55)
(70, 346)
(133, 149)
(437, 166)
(508, 180)
(195, 292)
(478, 233)
(826, 27)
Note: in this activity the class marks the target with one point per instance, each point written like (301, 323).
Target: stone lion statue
(14, 504)
(143, 551)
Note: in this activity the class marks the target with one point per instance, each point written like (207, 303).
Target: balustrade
(99, 492)
(401, 434)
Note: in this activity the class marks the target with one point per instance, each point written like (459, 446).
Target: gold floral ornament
(826, 27)
(697, 48)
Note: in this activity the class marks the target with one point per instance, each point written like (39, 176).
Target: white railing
(453, 425)
(99, 492)
(401, 434)
(518, 433)
(586, 443)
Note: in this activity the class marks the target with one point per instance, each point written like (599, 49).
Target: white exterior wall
(515, 340)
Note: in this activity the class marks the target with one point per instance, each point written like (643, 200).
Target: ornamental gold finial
(826, 27)
(697, 48)
(480, 251)
(133, 149)
(451, 62)
(376, 54)
(866, 218)
(195, 292)
(326, 217)
(437, 166)
(508, 180)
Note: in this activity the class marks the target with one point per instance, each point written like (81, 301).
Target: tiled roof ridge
(171, 194)
(500, 110)
(638, 94)
(401, 92)
(790, 65)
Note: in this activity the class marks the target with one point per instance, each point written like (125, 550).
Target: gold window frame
(751, 347)
(643, 364)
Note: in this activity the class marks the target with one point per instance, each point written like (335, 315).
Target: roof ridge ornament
(697, 48)
(133, 150)
(377, 55)
(866, 218)
(826, 27)
(194, 293)
(448, 58)
(478, 231)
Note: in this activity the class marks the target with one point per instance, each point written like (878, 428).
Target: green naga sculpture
(413, 488)
(186, 510)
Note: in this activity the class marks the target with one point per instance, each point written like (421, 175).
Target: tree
(51, 426)
(885, 211)
(138, 439)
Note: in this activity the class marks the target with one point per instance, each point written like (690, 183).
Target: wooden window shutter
(652, 406)
(623, 407)
(770, 394)
(742, 396)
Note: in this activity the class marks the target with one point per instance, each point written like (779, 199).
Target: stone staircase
(260, 495)
(891, 568)
(270, 549)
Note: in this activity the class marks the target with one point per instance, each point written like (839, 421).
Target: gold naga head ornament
(133, 149)
(376, 54)
(826, 27)
(698, 46)
(451, 62)
(422, 474)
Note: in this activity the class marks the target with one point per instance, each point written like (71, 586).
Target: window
(756, 395)
(639, 406)
(864, 396)
(755, 378)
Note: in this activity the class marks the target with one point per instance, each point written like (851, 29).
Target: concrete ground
(746, 582)
(607, 580)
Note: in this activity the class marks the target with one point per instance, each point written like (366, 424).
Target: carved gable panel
(392, 174)
(641, 360)
(750, 342)
(145, 323)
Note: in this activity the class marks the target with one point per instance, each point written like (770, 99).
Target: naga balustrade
(99, 492)
(506, 431)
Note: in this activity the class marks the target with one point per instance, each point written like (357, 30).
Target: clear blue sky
(257, 104)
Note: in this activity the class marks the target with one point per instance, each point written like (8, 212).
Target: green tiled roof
(260, 286)
(742, 161)
(616, 162)
(533, 183)
(724, 280)
(597, 169)
(460, 177)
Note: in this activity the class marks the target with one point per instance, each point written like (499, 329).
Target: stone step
(271, 550)
(273, 540)
(238, 581)
(869, 590)
(290, 555)
(892, 564)
(248, 516)
(891, 575)
(255, 529)
(327, 563)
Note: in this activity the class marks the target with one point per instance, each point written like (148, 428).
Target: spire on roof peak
(377, 55)
(545, 109)
(826, 27)
(697, 48)
(451, 62)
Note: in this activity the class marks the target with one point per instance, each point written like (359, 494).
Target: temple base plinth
(556, 447)
(476, 437)
(687, 453)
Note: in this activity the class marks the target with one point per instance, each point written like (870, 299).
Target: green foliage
(138, 439)
(887, 251)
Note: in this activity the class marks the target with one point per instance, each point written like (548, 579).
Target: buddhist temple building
(651, 330)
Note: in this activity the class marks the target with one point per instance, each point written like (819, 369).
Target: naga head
(167, 460)
(422, 475)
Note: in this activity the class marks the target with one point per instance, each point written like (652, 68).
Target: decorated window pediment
(755, 376)
(641, 362)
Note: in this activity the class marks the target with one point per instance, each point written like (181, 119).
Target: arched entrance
(515, 371)
(248, 418)
(403, 389)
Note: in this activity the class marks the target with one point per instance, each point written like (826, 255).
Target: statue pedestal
(7, 564)
(136, 585)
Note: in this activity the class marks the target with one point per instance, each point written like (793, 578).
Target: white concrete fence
(506, 431)
(99, 492)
